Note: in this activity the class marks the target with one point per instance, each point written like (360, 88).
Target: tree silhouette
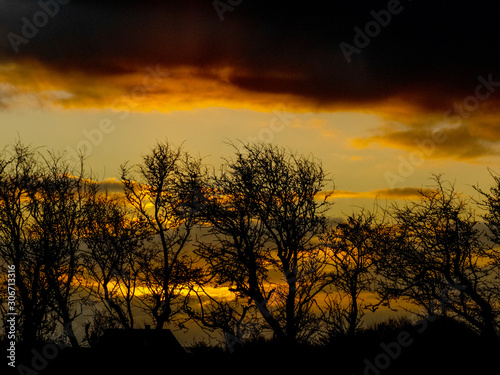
(18, 171)
(56, 203)
(235, 252)
(247, 252)
(116, 242)
(491, 202)
(351, 246)
(435, 256)
(265, 216)
(234, 319)
(41, 216)
(163, 192)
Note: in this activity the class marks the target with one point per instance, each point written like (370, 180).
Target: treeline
(177, 234)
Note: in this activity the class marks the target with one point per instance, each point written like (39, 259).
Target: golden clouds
(467, 142)
(466, 129)
(150, 88)
(315, 124)
(434, 127)
(395, 193)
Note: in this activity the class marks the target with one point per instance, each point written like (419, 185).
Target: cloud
(259, 53)
(13, 97)
(316, 124)
(111, 185)
(356, 158)
(395, 193)
(466, 141)
(164, 56)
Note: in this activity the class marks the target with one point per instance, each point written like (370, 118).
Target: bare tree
(312, 281)
(350, 248)
(115, 242)
(40, 214)
(435, 256)
(235, 250)
(265, 217)
(491, 203)
(235, 319)
(163, 191)
(56, 203)
(19, 169)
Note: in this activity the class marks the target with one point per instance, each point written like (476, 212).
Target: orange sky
(111, 79)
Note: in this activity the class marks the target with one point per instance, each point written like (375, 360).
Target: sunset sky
(385, 93)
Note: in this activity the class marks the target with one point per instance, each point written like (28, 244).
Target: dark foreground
(440, 347)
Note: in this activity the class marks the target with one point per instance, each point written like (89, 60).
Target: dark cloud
(431, 53)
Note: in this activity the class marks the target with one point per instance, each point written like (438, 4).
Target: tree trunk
(488, 325)
(291, 329)
(68, 328)
(269, 318)
(353, 316)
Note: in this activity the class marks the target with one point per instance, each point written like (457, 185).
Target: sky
(384, 93)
